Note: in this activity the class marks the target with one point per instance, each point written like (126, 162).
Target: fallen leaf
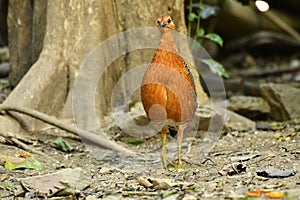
(55, 182)
(275, 195)
(111, 197)
(269, 194)
(276, 173)
(254, 193)
(7, 186)
(63, 145)
(67, 191)
(28, 163)
(162, 184)
(232, 169)
(189, 197)
(171, 182)
(274, 186)
(135, 142)
(90, 197)
(139, 193)
(144, 182)
(243, 158)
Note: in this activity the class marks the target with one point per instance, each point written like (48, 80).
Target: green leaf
(7, 186)
(200, 40)
(200, 32)
(192, 16)
(28, 163)
(216, 67)
(214, 37)
(135, 142)
(63, 145)
(201, 6)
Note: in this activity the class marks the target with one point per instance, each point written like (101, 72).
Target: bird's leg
(179, 141)
(164, 157)
(163, 147)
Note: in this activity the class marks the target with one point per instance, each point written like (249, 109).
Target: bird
(168, 91)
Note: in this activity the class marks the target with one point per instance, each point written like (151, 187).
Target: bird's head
(165, 22)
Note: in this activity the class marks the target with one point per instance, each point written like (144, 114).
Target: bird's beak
(162, 24)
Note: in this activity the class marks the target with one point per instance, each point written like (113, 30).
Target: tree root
(96, 139)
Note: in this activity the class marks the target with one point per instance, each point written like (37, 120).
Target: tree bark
(3, 22)
(26, 27)
(73, 29)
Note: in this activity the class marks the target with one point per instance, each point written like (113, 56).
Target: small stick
(24, 146)
(140, 193)
(283, 25)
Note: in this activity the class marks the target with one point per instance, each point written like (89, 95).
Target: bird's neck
(167, 41)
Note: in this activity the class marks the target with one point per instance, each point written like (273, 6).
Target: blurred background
(261, 42)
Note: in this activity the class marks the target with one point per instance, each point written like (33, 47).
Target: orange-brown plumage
(168, 90)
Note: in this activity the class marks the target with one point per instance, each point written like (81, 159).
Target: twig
(279, 22)
(65, 134)
(198, 22)
(208, 159)
(140, 193)
(266, 72)
(190, 23)
(11, 137)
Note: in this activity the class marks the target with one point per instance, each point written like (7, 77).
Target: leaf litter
(114, 176)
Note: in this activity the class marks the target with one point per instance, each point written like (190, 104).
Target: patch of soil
(118, 176)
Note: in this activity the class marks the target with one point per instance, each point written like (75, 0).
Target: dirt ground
(227, 172)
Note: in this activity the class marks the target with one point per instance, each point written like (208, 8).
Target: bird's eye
(169, 21)
(158, 22)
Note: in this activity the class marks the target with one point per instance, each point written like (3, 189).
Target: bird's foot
(166, 162)
(170, 162)
(173, 165)
(179, 165)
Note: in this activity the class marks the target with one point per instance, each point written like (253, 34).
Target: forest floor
(229, 172)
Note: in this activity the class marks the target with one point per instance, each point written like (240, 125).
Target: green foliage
(211, 36)
(135, 142)
(63, 145)
(28, 163)
(192, 16)
(214, 37)
(215, 67)
(200, 34)
(7, 186)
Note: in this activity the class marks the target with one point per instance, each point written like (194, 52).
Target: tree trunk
(3, 22)
(27, 24)
(73, 29)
